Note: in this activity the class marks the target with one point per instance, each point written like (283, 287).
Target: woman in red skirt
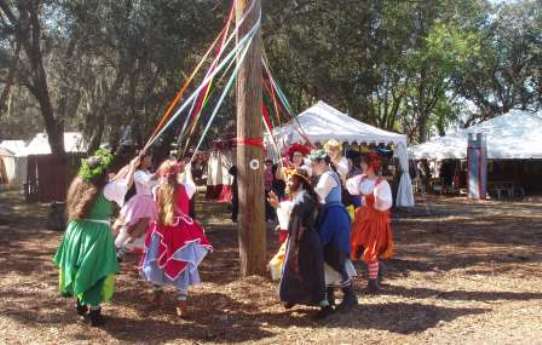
(371, 231)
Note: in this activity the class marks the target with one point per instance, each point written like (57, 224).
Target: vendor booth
(514, 152)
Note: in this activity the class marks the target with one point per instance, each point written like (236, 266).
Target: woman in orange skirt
(371, 231)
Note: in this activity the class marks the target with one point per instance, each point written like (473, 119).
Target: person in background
(186, 178)
(278, 186)
(371, 232)
(198, 169)
(334, 226)
(334, 151)
(86, 257)
(296, 157)
(270, 214)
(354, 162)
(234, 195)
(175, 244)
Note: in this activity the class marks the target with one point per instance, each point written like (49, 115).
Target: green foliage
(407, 66)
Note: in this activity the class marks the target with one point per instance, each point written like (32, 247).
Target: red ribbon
(254, 142)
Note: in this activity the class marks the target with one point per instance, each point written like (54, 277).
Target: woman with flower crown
(86, 256)
(175, 244)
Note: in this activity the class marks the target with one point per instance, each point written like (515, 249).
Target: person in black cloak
(303, 279)
(234, 194)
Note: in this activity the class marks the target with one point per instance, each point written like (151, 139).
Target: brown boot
(182, 309)
(157, 298)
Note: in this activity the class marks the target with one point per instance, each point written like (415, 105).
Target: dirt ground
(464, 273)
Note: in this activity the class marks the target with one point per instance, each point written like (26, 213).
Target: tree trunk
(32, 45)
(252, 229)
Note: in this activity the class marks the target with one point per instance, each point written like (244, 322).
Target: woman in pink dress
(140, 210)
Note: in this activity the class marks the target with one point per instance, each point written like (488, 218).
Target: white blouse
(143, 182)
(342, 168)
(361, 185)
(326, 183)
(186, 179)
(284, 211)
(115, 191)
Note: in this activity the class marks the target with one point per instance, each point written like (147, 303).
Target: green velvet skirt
(87, 262)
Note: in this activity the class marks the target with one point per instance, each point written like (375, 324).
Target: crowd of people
(332, 210)
(321, 238)
(159, 211)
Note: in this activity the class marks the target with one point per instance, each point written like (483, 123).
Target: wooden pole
(252, 229)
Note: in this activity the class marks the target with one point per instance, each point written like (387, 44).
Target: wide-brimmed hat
(298, 172)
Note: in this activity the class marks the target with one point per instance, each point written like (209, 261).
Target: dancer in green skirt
(86, 257)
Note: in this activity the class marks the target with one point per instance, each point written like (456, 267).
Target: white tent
(14, 158)
(39, 145)
(7, 162)
(17, 147)
(514, 135)
(322, 122)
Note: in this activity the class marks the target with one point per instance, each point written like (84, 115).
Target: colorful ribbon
(254, 142)
(251, 35)
(225, 61)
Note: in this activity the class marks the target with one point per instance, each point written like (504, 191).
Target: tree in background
(22, 28)
(408, 66)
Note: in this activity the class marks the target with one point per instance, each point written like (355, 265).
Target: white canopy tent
(514, 135)
(39, 145)
(17, 147)
(15, 161)
(322, 122)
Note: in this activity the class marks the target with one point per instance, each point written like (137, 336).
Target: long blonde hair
(166, 195)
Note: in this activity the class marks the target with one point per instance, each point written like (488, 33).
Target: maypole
(250, 153)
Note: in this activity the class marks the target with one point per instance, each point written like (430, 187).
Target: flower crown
(169, 169)
(96, 165)
(319, 154)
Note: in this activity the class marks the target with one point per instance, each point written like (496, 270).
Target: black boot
(349, 300)
(331, 296)
(96, 318)
(121, 252)
(324, 312)
(81, 309)
(381, 269)
(289, 305)
(373, 287)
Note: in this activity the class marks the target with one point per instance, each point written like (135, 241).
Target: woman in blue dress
(334, 228)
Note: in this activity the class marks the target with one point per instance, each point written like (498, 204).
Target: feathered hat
(304, 150)
(299, 172)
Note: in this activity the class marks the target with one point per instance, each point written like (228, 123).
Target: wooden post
(252, 229)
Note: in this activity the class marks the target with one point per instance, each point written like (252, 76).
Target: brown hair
(82, 195)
